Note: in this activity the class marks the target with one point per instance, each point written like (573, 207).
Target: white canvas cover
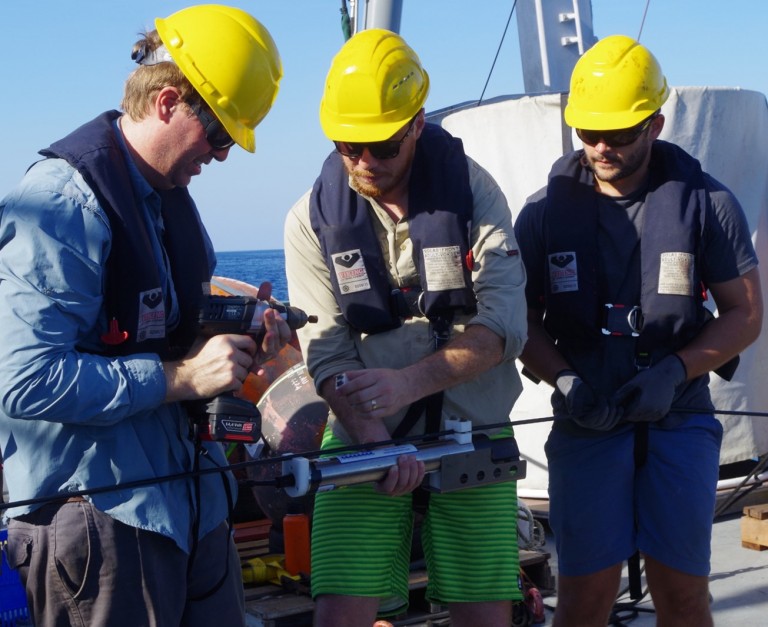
(518, 139)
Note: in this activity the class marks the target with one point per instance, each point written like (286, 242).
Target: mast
(383, 14)
(553, 34)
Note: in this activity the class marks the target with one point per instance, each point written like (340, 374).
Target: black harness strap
(433, 407)
(633, 563)
(200, 451)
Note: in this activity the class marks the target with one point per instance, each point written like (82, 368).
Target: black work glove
(579, 402)
(648, 396)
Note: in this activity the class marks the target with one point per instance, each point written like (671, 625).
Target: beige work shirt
(331, 346)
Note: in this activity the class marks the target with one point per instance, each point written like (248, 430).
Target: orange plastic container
(296, 541)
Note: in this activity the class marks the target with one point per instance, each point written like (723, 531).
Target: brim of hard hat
(364, 131)
(244, 137)
(605, 121)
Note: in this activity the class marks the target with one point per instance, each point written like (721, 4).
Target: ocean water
(254, 267)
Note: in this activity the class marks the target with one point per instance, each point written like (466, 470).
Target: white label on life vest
(443, 268)
(563, 274)
(350, 272)
(676, 274)
(151, 323)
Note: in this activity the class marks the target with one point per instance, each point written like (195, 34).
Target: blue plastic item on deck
(13, 600)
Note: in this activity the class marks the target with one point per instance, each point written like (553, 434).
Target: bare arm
(540, 354)
(738, 323)
(476, 350)
(467, 355)
(473, 352)
(365, 427)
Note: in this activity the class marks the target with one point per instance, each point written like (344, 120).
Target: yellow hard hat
(231, 61)
(375, 86)
(616, 84)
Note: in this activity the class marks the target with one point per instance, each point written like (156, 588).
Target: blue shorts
(603, 509)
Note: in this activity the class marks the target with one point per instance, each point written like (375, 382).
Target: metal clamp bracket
(476, 468)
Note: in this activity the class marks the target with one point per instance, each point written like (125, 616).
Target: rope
(741, 490)
(642, 22)
(530, 532)
(495, 58)
(346, 27)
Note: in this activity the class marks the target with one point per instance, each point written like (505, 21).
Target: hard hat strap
(159, 55)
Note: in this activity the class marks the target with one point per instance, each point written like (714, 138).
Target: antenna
(642, 22)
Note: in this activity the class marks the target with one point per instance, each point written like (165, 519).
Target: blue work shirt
(71, 419)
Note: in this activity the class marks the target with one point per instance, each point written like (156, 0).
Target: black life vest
(133, 287)
(676, 206)
(439, 220)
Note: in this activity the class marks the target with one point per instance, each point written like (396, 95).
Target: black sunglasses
(387, 149)
(215, 133)
(618, 138)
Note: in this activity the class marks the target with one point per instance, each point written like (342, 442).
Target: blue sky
(66, 61)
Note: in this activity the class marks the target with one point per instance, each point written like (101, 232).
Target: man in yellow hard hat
(620, 249)
(104, 263)
(405, 249)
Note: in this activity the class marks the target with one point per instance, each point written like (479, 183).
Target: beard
(363, 187)
(620, 168)
(388, 177)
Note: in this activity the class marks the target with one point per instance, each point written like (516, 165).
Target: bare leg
(333, 610)
(586, 601)
(680, 599)
(481, 614)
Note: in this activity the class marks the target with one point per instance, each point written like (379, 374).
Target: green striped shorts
(361, 544)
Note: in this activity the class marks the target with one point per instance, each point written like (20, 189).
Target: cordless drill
(226, 416)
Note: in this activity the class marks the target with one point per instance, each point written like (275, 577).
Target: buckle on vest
(407, 302)
(441, 332)
(621, 320)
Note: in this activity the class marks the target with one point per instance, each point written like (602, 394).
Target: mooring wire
(315, 454)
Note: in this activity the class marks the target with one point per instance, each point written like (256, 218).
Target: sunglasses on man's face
(615, 139)
(387, 149)
(215, 133)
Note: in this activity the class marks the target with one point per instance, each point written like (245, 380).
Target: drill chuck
(244, 315)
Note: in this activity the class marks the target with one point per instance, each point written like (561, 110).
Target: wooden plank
(528, 558)
(289, 609)
(754, 533)
(263, 591)
(252, 530)
(535, 564)
(253, 547)
(252, 544)
(417, 580)
(754, 547)
(757, 511)
(539, 507)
